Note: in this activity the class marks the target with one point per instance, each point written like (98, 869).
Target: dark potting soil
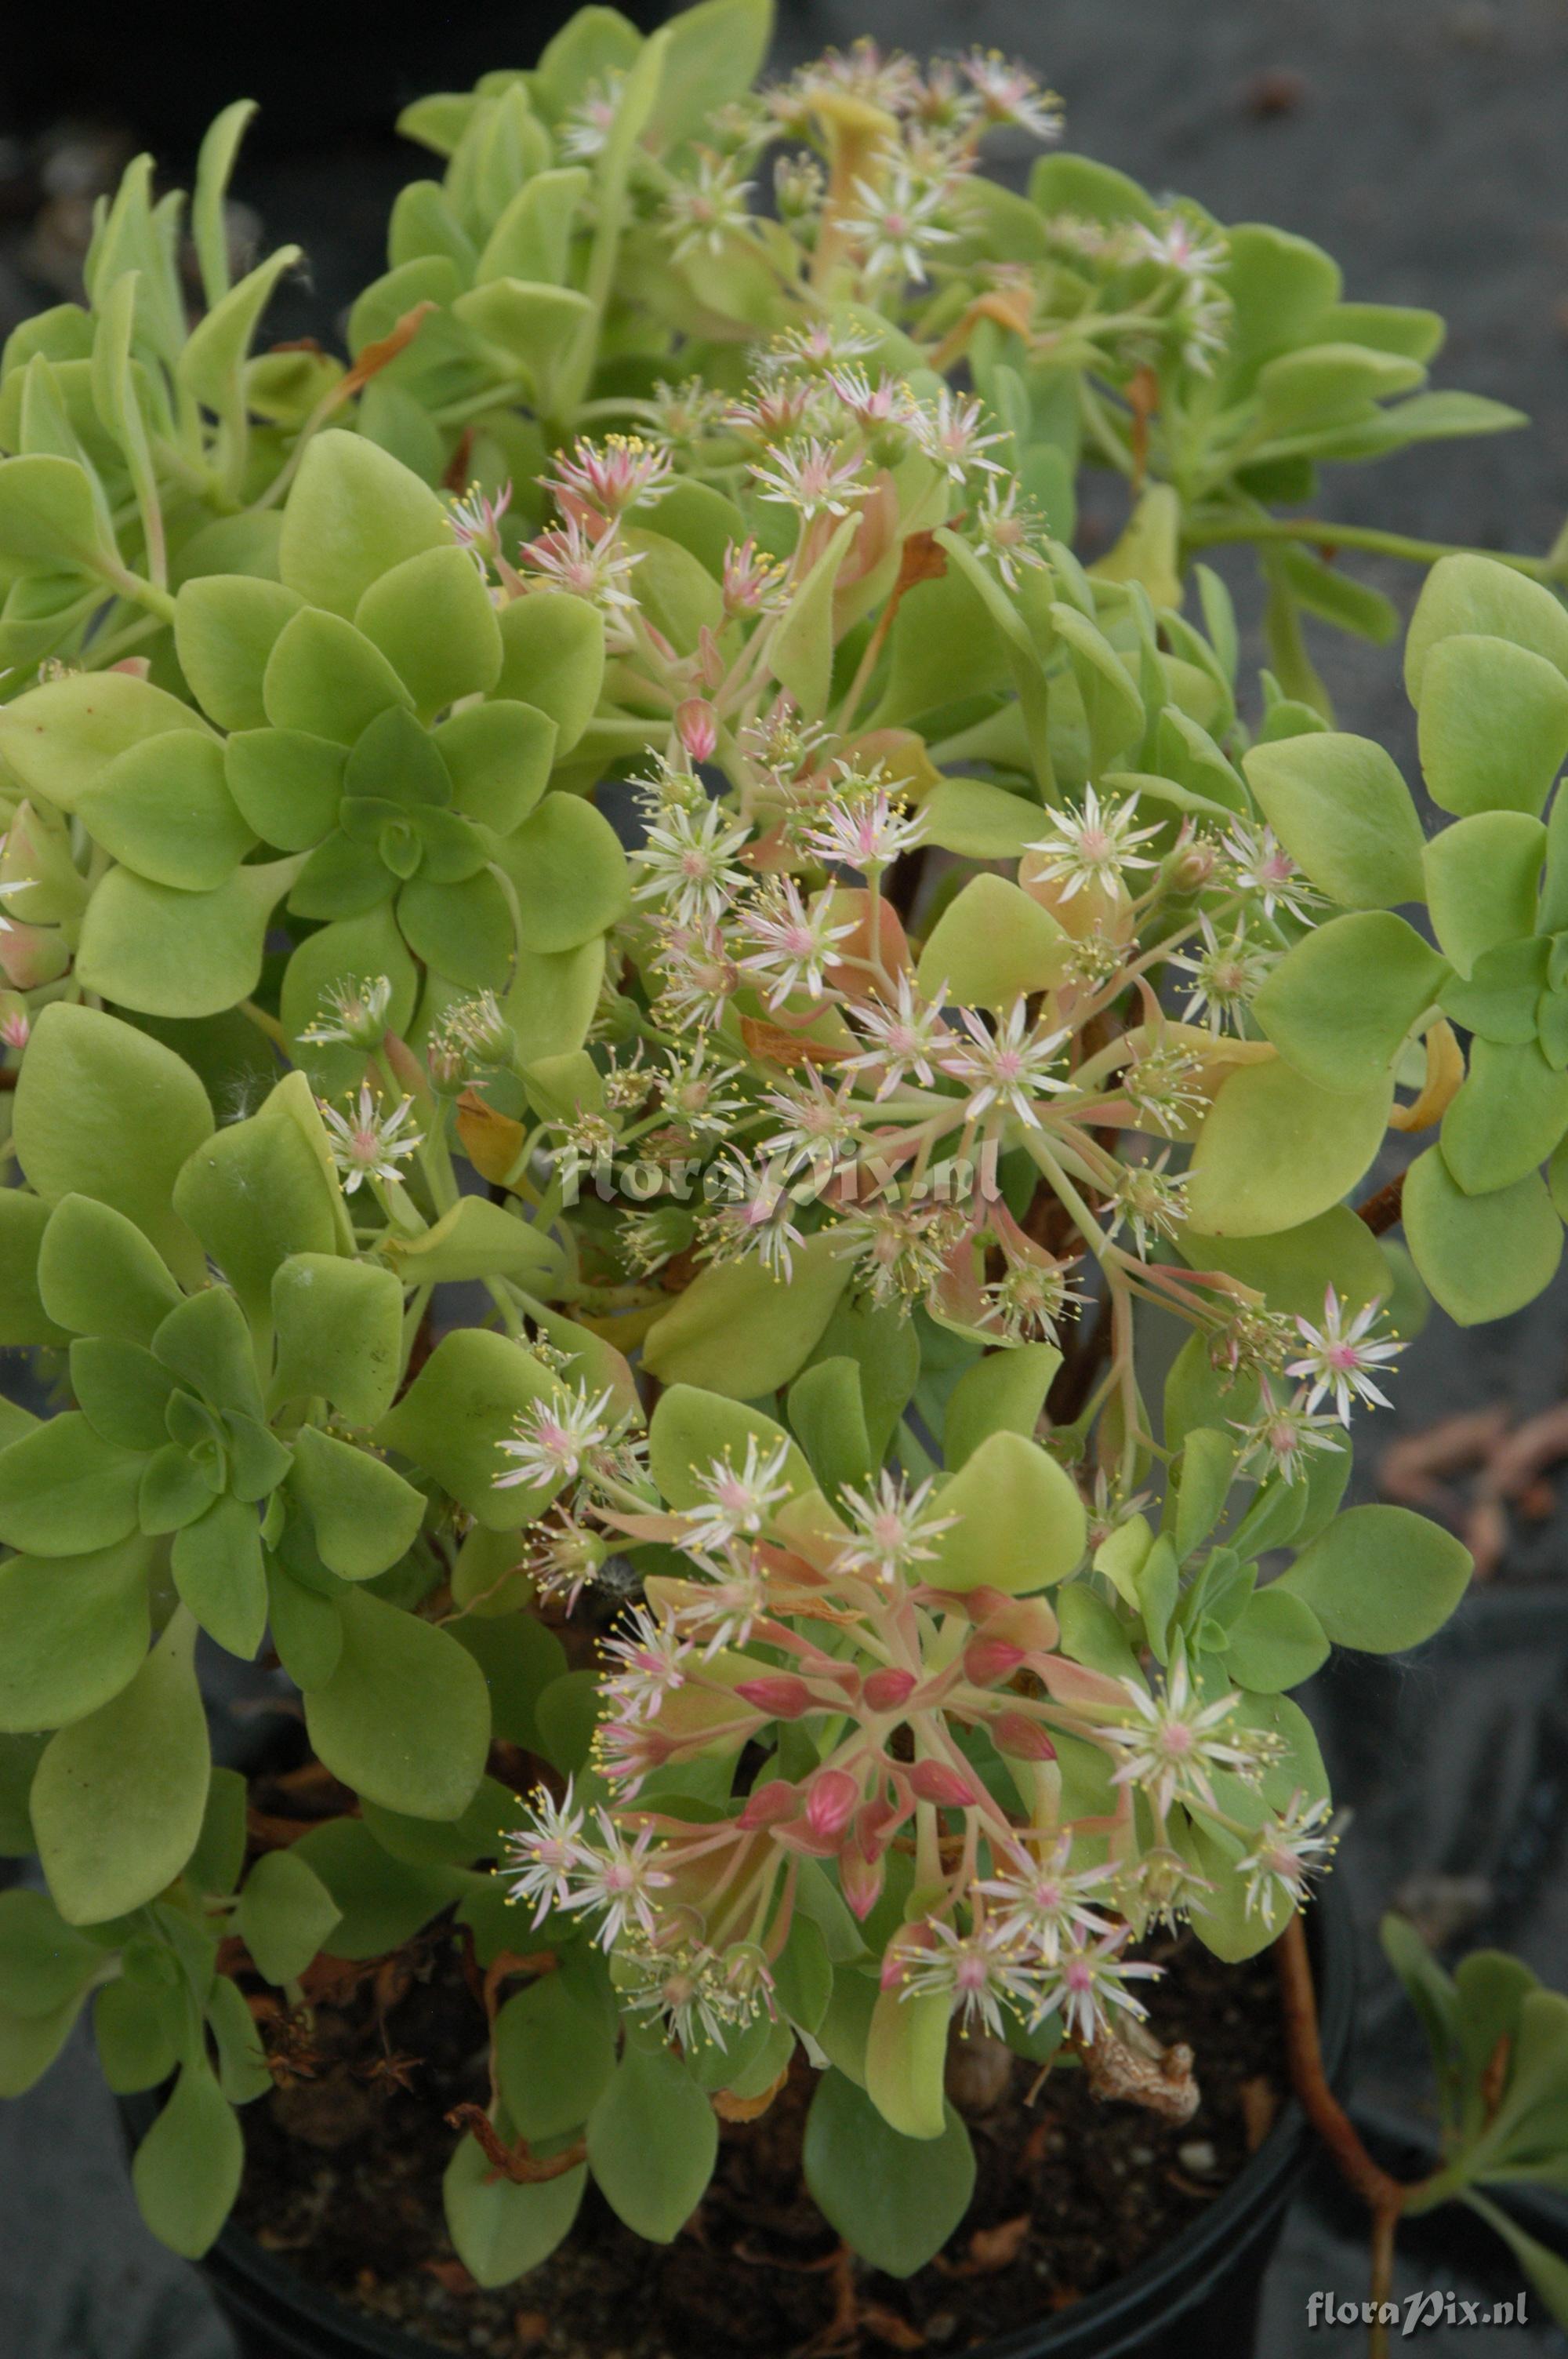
(343, 2183)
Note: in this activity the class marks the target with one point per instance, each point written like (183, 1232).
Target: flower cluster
(1024, 1913)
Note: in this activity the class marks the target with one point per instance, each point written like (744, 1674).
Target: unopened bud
(887, 1690)
(15, 1023)
(934, 1781)
(860, 1881)
(830, 1802)
(988, 1661)
(780, 1696)
(1015, 1732)
(696, 726)
(769, 1805)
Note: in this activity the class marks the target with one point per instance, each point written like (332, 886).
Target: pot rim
(1108, 2325)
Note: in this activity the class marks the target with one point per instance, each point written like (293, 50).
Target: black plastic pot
(1198, 2298)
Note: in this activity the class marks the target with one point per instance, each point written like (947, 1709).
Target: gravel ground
(1420, 142)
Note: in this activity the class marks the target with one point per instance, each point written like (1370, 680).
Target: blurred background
(1422, 142)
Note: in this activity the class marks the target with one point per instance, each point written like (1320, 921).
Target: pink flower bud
(831, 1801)
(859, 1880)
(987, 1661)
(1015, 1732)
(779, 1695)
(934, 1781)
(1025, 1622)
(886, 1690)
(769, 1805)
(696, 726)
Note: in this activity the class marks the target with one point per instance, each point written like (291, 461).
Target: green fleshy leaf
(364, 1515)
(340, 1334)
(475, 1240)
(287, 785)
(164, 809)
(501, 2230)
(992, 944)
(1294, 1267)
(219, 1857)
(432, 619)
(174, 954)
(1343, 1000)
(463, 930)
(225, 627)
(383, 1901)
(1380, 1579)
(354, 514)
(118, 1799)
(1020, 1521)
(1468, 595)
(351, 951)
(307, 1628)
(44, 1963)
(1344, 815)
(1482, 1256)
(217, 1571)
(64, 1490)
(186, 2168)
(736, 1329)
(328, 679)
(74, 1633)
(285, 1915)
(23, 1224)
(59, 739)
(652, 2140)
(261, 1190)
(553, 658)
(554, 2058)
(207, 1345)
(570, 873)
(895, 2201)
(498, 755)
(1003, 1392)
(121, 1390)
(801, 649)
(826, 1412)
(906, 2055)
(405, 1719)
(1509, 1115)
(1493, 725)
(1481, 880)
(101, 1111)
(1275, 1150)
(137, 2032)
(691, 1429)
(1275, 1642)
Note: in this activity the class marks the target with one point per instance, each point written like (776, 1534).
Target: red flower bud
(698, 726)
(1015, 1732)
(987, 1661)
(886, 1690)
(769, 1805)
(859, 1880)
(934, 1781)
(780, 1695)
(831, 1801)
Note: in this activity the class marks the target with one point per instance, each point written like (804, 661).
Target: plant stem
(1320, 533)
(1384, 2196)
